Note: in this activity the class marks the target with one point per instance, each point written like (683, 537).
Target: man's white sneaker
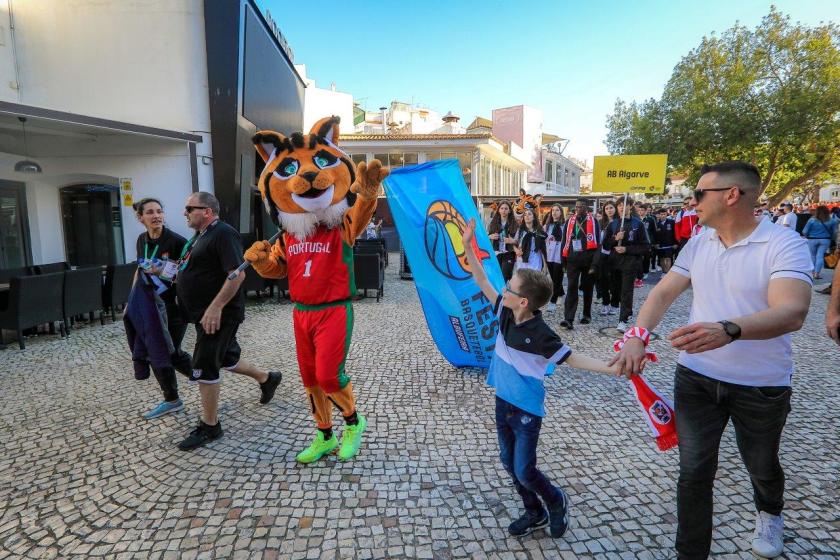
(613, 310)
(605, 310)
(551, 307)
(767, 539)
(622, 326)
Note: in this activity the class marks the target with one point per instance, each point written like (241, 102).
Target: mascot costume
(322, 204)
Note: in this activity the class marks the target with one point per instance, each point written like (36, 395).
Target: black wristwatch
(733, 330)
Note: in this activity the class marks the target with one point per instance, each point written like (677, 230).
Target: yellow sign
(631, 174)
(126, 191)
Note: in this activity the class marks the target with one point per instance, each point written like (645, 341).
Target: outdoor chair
(33, 301)
(254, 282)
(51, 267)
(7, 274)
(117, 286)
(82, 294)
(370, 273)
(368, 246)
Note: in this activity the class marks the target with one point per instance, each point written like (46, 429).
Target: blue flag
(431, 205)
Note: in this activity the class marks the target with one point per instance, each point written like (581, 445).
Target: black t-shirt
(209, 259)
(167, 246)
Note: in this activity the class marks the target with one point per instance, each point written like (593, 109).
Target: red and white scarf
(591, 242)
(658, 410)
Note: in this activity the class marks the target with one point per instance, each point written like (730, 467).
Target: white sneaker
(613, 310)
(621, 326)
(605, 310)
(767, 539)
(551, 307)
(644, 276)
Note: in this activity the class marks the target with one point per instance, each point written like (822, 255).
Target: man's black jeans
(703, 409)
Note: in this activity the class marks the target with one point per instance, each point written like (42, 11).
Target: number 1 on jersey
(306, 271)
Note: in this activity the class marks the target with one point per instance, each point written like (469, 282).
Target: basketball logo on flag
(659, 412)
(443, 236)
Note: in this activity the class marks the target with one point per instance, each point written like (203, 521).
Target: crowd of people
(607, 254)
(604, 255)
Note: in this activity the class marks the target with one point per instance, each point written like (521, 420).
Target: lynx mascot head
(310, 188)
(307, 179)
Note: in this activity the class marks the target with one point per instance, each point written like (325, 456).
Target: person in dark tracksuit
(602, 263)
(579, 247)
(502, 232)
(628, 241)
(649, 221)
(666, 240)
(553, 226)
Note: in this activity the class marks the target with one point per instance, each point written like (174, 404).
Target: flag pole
(624, 208)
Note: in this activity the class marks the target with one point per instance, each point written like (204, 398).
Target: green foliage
(770, 96)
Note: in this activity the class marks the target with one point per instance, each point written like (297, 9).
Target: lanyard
(146, 256)
(189, 244)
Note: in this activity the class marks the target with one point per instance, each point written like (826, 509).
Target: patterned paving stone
(82, 475)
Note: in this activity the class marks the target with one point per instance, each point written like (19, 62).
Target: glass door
(14, 229)
(92, 225)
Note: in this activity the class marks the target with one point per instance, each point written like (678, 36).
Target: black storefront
(253, 85)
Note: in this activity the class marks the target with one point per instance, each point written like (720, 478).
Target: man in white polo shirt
(788, 217)
(751, 284)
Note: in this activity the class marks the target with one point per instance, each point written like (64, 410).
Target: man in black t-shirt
(216, 306)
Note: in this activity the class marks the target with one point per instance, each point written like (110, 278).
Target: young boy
(525, 348)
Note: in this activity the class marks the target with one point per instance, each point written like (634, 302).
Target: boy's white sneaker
(621, 327)
(767, 539)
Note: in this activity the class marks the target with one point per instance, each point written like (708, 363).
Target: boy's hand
(631, 359)
(469, 232)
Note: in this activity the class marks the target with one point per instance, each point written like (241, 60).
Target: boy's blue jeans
(518, 434)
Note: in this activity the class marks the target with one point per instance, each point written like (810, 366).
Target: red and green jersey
(319, 268)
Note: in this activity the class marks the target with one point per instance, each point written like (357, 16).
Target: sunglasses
(698, 194)
(507, 289)
(189, 209)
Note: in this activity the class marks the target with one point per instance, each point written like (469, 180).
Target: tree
(770, 96)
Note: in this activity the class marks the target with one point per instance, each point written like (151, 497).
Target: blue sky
(569, 59)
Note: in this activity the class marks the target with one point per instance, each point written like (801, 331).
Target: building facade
(160, 101)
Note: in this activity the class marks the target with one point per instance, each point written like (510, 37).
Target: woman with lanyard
(602, 262)
(502, 232)
(158, 252)
(530, 242)
(553, 226)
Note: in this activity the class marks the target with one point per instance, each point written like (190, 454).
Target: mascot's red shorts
(322, 336)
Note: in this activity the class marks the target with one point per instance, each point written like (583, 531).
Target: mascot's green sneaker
(318, 449)
(351, 439)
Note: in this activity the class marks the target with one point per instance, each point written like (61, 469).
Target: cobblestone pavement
(81, 474)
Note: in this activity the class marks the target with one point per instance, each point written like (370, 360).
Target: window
(396, 160)
(410, 159)
(381, 157)
(497, 178)
(447, 155)
(549, 171)
(358, 158)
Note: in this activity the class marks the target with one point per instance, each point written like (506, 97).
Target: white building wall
(152, 52)
(8, 79)
(163, 173)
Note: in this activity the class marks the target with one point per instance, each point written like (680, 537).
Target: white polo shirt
(788, 220)
(733, 282)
